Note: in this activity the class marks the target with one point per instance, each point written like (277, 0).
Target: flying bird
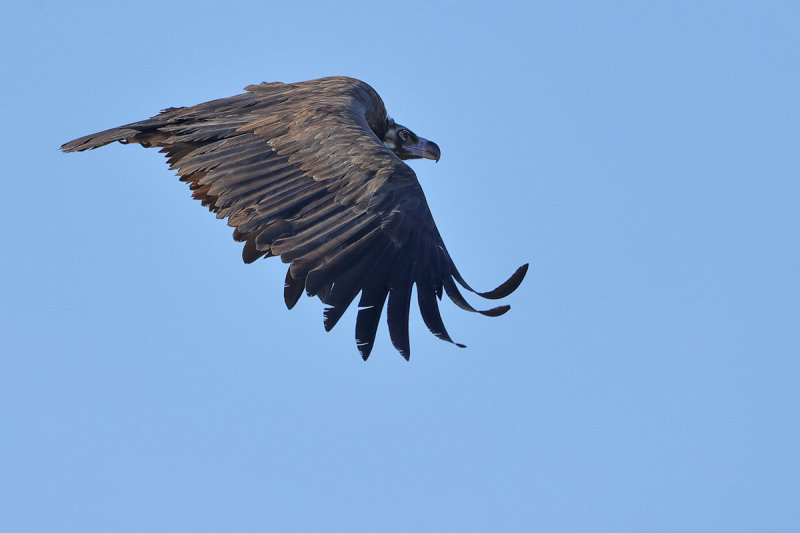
(315, 172)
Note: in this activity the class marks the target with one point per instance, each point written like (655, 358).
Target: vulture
(315, 172)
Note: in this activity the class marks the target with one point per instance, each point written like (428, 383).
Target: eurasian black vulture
(313, 172)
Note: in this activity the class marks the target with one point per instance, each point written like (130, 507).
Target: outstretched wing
(299, 173)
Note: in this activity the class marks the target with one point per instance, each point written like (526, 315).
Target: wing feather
(429, 309)
(292, 290)
(359, 277)
(334, 265)
(397, 310)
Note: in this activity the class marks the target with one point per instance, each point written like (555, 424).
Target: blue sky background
(643, 156)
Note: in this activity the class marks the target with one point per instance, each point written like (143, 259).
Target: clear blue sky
(643, 156)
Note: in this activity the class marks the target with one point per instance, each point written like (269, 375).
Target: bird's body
(313, 172)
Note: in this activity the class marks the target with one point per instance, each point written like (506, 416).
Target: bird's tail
(143, 132)
(96, 140)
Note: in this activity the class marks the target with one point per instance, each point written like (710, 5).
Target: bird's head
(407, 145)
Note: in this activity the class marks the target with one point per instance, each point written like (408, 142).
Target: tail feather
(96, 140)
(127, 133)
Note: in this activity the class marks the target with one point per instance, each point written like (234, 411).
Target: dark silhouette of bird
(314, 172)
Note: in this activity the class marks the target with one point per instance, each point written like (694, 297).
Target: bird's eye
(404, 135)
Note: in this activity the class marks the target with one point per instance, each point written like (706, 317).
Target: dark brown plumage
(313, 172)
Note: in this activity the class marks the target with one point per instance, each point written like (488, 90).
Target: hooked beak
(424, 148)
